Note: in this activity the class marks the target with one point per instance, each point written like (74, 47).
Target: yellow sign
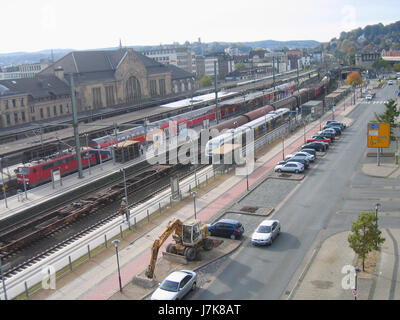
(378, 135)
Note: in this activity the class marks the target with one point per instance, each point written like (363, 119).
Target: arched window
(133, 91)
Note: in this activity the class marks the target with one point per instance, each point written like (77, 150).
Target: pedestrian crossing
(375, 102)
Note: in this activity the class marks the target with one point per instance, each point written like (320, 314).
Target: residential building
(366, 59)
(23, 70)
(177, 56)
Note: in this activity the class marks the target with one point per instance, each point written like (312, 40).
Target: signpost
(378, 137)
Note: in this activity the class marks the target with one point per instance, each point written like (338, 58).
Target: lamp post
(194, 203)
(88, 154)
(126, 198)
(2, 279)
(377, 207)
(115, 244)
(357, 270)
(2, 181)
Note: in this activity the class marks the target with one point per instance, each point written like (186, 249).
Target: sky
(29, 26)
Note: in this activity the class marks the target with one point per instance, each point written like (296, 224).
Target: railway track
(13, 249)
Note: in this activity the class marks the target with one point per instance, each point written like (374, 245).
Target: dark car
(304, 161)
(341, 124)
(318, 146)
(310, 151)
(327, 134)
(228, 228)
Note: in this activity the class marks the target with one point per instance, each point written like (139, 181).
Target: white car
(390, 82)
(295, 167)
(368, 98)
(266, 232)
(176, 285)
(308, 156)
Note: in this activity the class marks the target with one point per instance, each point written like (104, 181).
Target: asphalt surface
(327, 201)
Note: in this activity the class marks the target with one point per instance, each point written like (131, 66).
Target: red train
(39, 172)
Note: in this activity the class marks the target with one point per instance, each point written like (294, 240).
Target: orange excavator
(189, 237)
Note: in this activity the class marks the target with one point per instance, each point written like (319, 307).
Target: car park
(295, 167)
(316, 145)
(304, 154)
(176, 285)
(226, 228)
(266, 232)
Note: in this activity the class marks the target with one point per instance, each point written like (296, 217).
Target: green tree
(206, 81)
(396, 67)
(239, 66)
(365, 235)
(389, 116)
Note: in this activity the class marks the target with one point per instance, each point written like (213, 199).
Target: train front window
(23, 171)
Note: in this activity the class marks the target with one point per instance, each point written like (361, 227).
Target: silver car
(176, 285)
(290, 167)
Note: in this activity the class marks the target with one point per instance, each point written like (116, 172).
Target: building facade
(33, 99)
(366, 59)
(115, 77)
(180, 57)
(22, 71)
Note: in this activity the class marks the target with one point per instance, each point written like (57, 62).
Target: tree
(396, 67)
(239, 66)
(354, 79)
(365, 235)
(389, 116)
(206, 81)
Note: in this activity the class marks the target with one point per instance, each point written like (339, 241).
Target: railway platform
(98, 278)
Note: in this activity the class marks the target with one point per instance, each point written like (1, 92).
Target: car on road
(390, 82)
(176, 285)
(319, 138)
(290, 166)
(266, 232)
(368, 98)
(228, 228)
(316, 145)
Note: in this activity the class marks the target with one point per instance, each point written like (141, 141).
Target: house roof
(37, 87)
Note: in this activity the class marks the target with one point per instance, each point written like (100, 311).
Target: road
(327, 201)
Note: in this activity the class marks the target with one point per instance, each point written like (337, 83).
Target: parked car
(266, 232)
(310, 151)
(308, 156)
(226, 228)
(319, 138)
(290, 166)
(368, 98)
(331, 130)
(341, 124)
(176, 285)
(390, 82)
(327, 134)
(303, 161)
(316, 145)
(338, 130)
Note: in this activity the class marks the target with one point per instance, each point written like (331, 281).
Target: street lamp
(126, 198)
(194, 203)
(357, 270)
(2, 181)
(115, 244)
(377, 207)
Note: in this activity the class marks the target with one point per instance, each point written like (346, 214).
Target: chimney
(59, 72)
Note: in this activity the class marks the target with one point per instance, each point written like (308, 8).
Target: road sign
(378, 135)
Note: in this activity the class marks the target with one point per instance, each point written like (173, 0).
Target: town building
(366, 59)
(180, 57)
(23, 70)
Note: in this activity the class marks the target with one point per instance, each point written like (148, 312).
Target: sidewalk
(98, 279)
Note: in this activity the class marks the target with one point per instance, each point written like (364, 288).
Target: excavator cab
(191, 233)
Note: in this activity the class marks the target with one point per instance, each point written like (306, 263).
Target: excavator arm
(171, 227)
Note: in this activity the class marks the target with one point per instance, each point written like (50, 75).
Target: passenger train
(39, 172)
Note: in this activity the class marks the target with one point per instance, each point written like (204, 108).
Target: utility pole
(216, 91)
(75, 126)
(273, 70)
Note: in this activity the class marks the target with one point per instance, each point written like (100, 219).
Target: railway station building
(116, 77)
